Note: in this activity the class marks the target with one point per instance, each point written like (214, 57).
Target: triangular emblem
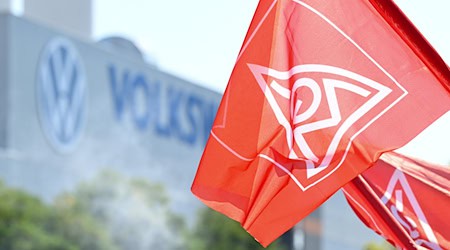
(402, 203)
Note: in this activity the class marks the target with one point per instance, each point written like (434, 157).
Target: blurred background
(105, 107)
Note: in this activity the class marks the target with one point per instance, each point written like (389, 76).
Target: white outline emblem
(397, 210)
(330, 85)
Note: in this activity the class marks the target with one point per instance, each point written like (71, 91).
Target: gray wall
(74, 17)
(3, 82)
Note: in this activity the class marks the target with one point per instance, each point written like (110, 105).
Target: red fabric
(404, 200)
(319, 90)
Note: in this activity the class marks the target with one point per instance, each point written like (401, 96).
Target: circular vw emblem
(61, 94)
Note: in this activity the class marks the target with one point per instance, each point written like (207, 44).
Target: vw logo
(61, 94)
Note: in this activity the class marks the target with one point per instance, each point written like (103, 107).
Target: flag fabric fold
(405, 201)
(319, 91)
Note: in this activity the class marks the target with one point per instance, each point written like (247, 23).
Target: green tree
(216, 231)
(28, 224)
(136, 212)
(379, 246)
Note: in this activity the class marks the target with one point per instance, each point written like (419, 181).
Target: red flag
(404, 200)
(319, 90)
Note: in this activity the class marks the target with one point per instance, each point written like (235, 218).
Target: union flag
(404, 200)
(319, 91)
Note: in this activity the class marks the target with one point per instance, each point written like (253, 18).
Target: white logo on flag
(371, 90)
(397, 209)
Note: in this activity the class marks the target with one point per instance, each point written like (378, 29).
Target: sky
(199, 41)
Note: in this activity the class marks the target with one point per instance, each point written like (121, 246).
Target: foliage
(216, 231)
(27, 223)
(135, 212)
(110, 212)
(379, 246)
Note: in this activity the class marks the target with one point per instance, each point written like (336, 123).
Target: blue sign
(163, 108)
(61, 94)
